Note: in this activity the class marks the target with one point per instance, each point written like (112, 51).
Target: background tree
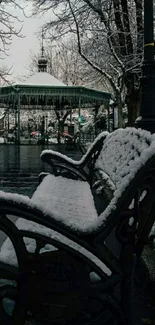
(8, 20)
(109, 38)
(64, 63)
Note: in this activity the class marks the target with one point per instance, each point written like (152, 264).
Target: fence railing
(87, 138)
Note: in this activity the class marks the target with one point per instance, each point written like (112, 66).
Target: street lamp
(147, 108)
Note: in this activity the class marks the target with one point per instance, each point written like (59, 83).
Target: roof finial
(42, 61)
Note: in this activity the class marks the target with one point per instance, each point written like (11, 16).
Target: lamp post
(147, 108)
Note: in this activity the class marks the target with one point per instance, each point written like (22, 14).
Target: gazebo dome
(42, 60)
(43, 79)
(42, 64)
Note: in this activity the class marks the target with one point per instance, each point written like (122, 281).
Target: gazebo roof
(42, 79)
(43, 90)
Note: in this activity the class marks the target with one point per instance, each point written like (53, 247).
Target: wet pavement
(21, 165)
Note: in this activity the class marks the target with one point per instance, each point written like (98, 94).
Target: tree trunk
(133, 105)
(59, 132)
(60, 129)
(120, 115)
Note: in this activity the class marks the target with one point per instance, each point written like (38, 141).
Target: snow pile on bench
(66, 199)
(123, 153)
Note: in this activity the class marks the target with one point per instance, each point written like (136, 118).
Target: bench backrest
(127, 163)
(122, 153)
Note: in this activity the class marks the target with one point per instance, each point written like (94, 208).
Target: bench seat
(77, 203)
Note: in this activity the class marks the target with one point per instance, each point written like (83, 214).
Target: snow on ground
(1, 140)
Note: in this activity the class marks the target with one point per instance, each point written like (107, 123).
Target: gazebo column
(79, 119)
(8, 126)
(18, 120)
(71, 116)
(15, 119)
(96, 109)
(108, 118)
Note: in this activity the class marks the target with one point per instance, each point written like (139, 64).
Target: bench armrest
(51, 157)
(68, 171)
(63, 170)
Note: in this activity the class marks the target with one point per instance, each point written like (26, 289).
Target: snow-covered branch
(92, 64)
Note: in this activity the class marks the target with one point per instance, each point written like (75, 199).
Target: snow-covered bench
(68, 259)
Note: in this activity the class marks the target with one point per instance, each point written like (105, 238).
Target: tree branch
(125, 15)
(93, 65)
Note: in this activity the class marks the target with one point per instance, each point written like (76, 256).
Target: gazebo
(44, 92)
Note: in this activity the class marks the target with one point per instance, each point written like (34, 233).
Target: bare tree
(64, 63)
(109, 38)
(67, 63)
(8, 20)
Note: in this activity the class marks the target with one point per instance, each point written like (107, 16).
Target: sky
(19, 51)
